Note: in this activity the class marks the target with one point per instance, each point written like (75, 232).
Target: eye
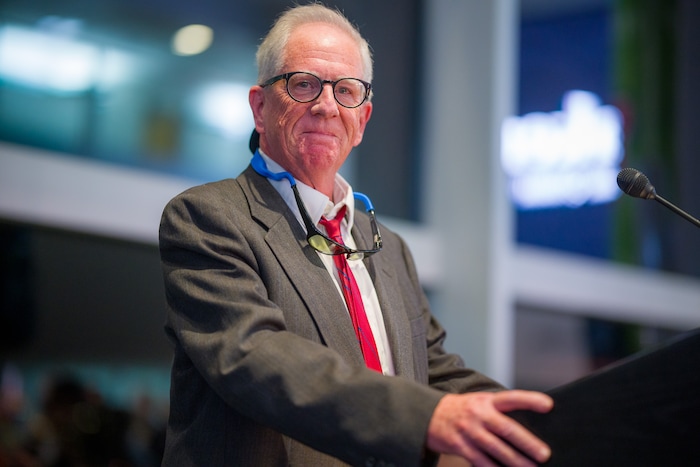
(304, 83)
(340, 89)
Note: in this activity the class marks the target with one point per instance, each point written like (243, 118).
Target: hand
(473, 426)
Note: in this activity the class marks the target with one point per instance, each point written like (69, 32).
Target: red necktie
(352, 296)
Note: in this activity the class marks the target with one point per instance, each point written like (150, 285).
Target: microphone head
(635, 183)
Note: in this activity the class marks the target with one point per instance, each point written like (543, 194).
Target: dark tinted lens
(321, 244)
(327, 247)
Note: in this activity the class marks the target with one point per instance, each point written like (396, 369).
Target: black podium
(642, 411)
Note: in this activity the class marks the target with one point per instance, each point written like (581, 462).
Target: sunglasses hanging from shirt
(319, 241)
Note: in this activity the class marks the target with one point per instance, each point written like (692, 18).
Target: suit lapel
(303, 267)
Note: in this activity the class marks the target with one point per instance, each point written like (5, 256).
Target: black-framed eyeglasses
(317, 239)
(306, 87)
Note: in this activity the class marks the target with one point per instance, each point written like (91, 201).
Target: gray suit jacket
(267, 370)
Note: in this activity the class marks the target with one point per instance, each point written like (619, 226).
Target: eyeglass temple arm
(310, 228)
(377, 238)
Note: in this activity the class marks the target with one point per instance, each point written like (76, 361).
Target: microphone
(636, 184)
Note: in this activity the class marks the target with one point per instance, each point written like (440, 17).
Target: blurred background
(498, 130)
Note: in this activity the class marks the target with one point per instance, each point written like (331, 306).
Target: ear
(365, 113)
(256, 98)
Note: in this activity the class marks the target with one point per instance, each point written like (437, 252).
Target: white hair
(270, 55)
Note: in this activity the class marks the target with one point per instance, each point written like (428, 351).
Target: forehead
(322, 47)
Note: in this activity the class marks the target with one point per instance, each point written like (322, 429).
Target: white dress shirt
(317, 205)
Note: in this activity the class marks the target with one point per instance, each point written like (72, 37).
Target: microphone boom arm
(677, 210)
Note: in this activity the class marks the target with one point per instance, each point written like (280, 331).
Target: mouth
(319, 135)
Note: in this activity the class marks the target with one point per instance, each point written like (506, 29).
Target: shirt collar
(317, 204)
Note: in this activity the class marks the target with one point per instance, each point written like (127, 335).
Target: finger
(520, 438)
(500, 451)
(477, 455)
(507, 401)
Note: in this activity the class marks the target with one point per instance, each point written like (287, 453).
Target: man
(289, 354)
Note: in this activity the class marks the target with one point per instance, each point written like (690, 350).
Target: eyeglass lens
(324, 245)
(319, 243)
(305, 87)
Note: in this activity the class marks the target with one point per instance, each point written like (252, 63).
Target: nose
(326, 102)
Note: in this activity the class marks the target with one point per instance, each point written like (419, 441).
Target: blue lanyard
(260, 167)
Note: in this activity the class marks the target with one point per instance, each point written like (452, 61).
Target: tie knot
(333, 225)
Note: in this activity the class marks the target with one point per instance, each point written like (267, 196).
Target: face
(312, 140)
